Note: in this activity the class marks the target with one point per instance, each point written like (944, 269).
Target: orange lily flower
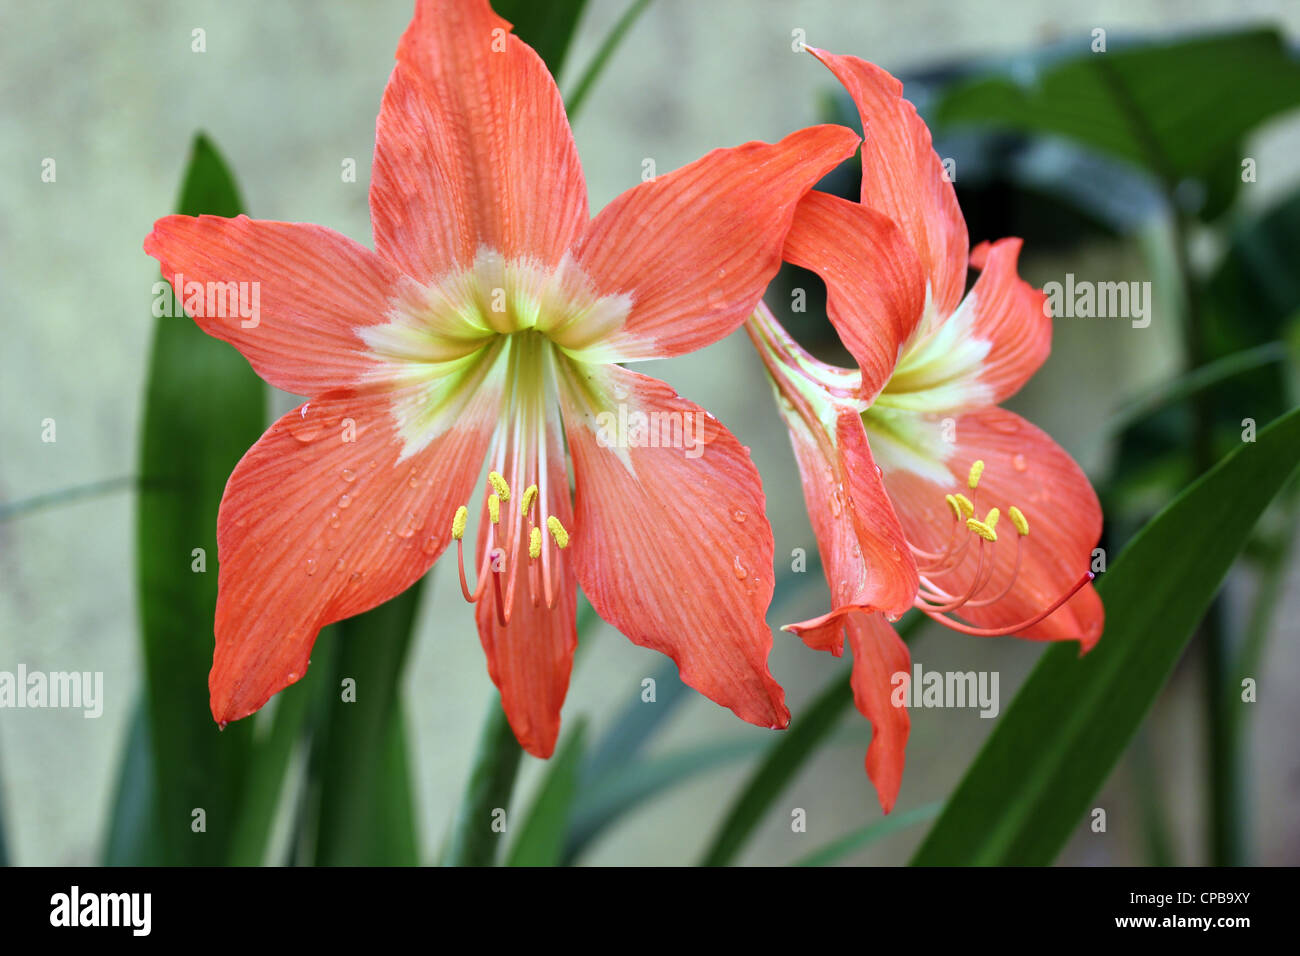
(921, 490)
(486, 326)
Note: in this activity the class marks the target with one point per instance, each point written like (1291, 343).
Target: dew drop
(411, 524)
(740, 570)
(339, 565)
(430, 546)
(891, 618)
(348, 474)
(414, 480)
(311, 566)
(334, 519)
(345, 500)
(307, 427)
(354, 577)
(739, 516)
(837, 501)
(1018, 463)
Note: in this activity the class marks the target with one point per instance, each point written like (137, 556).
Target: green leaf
(541, 838)
(1178, 109)
(1054, 747)
(608, 796)
(546, 27)
(606, 50)
(132, 836)
(364, 813)
(864, 836)
(204, 407)
(268, 767)
(786, 757)
(474, 841)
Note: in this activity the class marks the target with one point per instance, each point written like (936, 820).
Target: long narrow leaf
(1030, 785)
(364, 815)
(785, 759)
(475, 834)
(864, 836)
(541, 837)
(204, 407)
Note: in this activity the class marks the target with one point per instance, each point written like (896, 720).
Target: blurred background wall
(288, 91)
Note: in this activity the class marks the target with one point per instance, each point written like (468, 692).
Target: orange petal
(878, 654)
(472, 147)
(1008, 313)
(863, 548)
(315, 527)
(1024, 467)
(530, 659)
(875, 289)
(307, 289)
(694, 249)
(671, 544)
(903, 177)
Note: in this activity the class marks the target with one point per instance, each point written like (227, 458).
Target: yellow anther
(976, 469)
(954, 506)
(458, 523)
(967, 508)
(981, 529)
(535, 543)
(991, 519)
(529, 497)
(1018, 519)
(557, 532)
(499, 485)
(494, 508)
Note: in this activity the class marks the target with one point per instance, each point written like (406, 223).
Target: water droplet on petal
(430, 546)
(354, 577)
(1018, 463)
(334, 519)
(307, 426)
(345, 500)
(739, 516)
(837, 501)
(311, 566)
(740, 570)
(348, 474)
(891, 618)
(411, 524)
(338, 565)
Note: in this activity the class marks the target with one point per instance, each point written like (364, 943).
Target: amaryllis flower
(923, 492)
(485, 328)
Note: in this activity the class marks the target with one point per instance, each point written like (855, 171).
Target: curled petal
(904, 178)
(879, 655)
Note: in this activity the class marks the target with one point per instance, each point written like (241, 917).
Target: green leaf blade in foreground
(1030, 785)
(784, 760)
(204, 408)
(541, 838)
(364, 812)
